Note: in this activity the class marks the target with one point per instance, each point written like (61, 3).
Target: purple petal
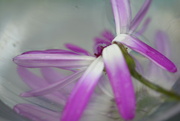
(144, 27)
(36, 113)
(32, 80)
(77, 49)
(82, 92)
(51, 75)
(120, 79)
(53, 60)
(108, 35)
(140, 15)
(162, 43)
(101, 41)
(36, 82)
(122, 15)
(147, 51)
(54, 86)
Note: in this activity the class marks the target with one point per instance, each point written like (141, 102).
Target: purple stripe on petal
(36, 82)
(140, 15)
(120, 79)
(36, 113)
(82, 92)
(54, 86)
(122, 15)
(53, 60)
(77, 49)
(147, 51)
(162, 43)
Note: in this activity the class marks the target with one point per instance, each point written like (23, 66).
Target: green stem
(131, 64)
(155, 87)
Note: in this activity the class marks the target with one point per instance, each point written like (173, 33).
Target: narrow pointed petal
(147, 51)
(122, 15)
(54, 86)
(36, 113)
(162, 43)
(140, 15)
(120, 79)
(77, 49)
(82, 92)
(43, 59)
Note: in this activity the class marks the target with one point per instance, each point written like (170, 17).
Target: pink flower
(109, 59)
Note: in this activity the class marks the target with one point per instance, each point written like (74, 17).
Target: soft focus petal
(140, 15)
(54, 86)
(120, 79)
(52, 60)
(143, 28)
(36, 82)
(162, 43)
(51, 75)
(122, 15)
(82, 92)
(36, 113)
(77, 49)
(32, 80)
(101, 41)
(108, 35)
(147, 51)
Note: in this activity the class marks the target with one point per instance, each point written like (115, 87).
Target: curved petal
(140, 15)
(147, 51)
(43, 59)
(122, 15)
(36, 113)
(82, 92)
(54, 86)
(77, 49)
(120, 79)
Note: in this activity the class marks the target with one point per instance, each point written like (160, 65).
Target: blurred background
(48, 24)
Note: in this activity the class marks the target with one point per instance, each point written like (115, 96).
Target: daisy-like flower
(109, 59)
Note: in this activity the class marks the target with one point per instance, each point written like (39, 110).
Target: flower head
(109, 58)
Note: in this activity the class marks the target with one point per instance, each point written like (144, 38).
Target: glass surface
(38, 25)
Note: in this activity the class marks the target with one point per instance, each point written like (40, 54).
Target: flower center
(98, 48)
